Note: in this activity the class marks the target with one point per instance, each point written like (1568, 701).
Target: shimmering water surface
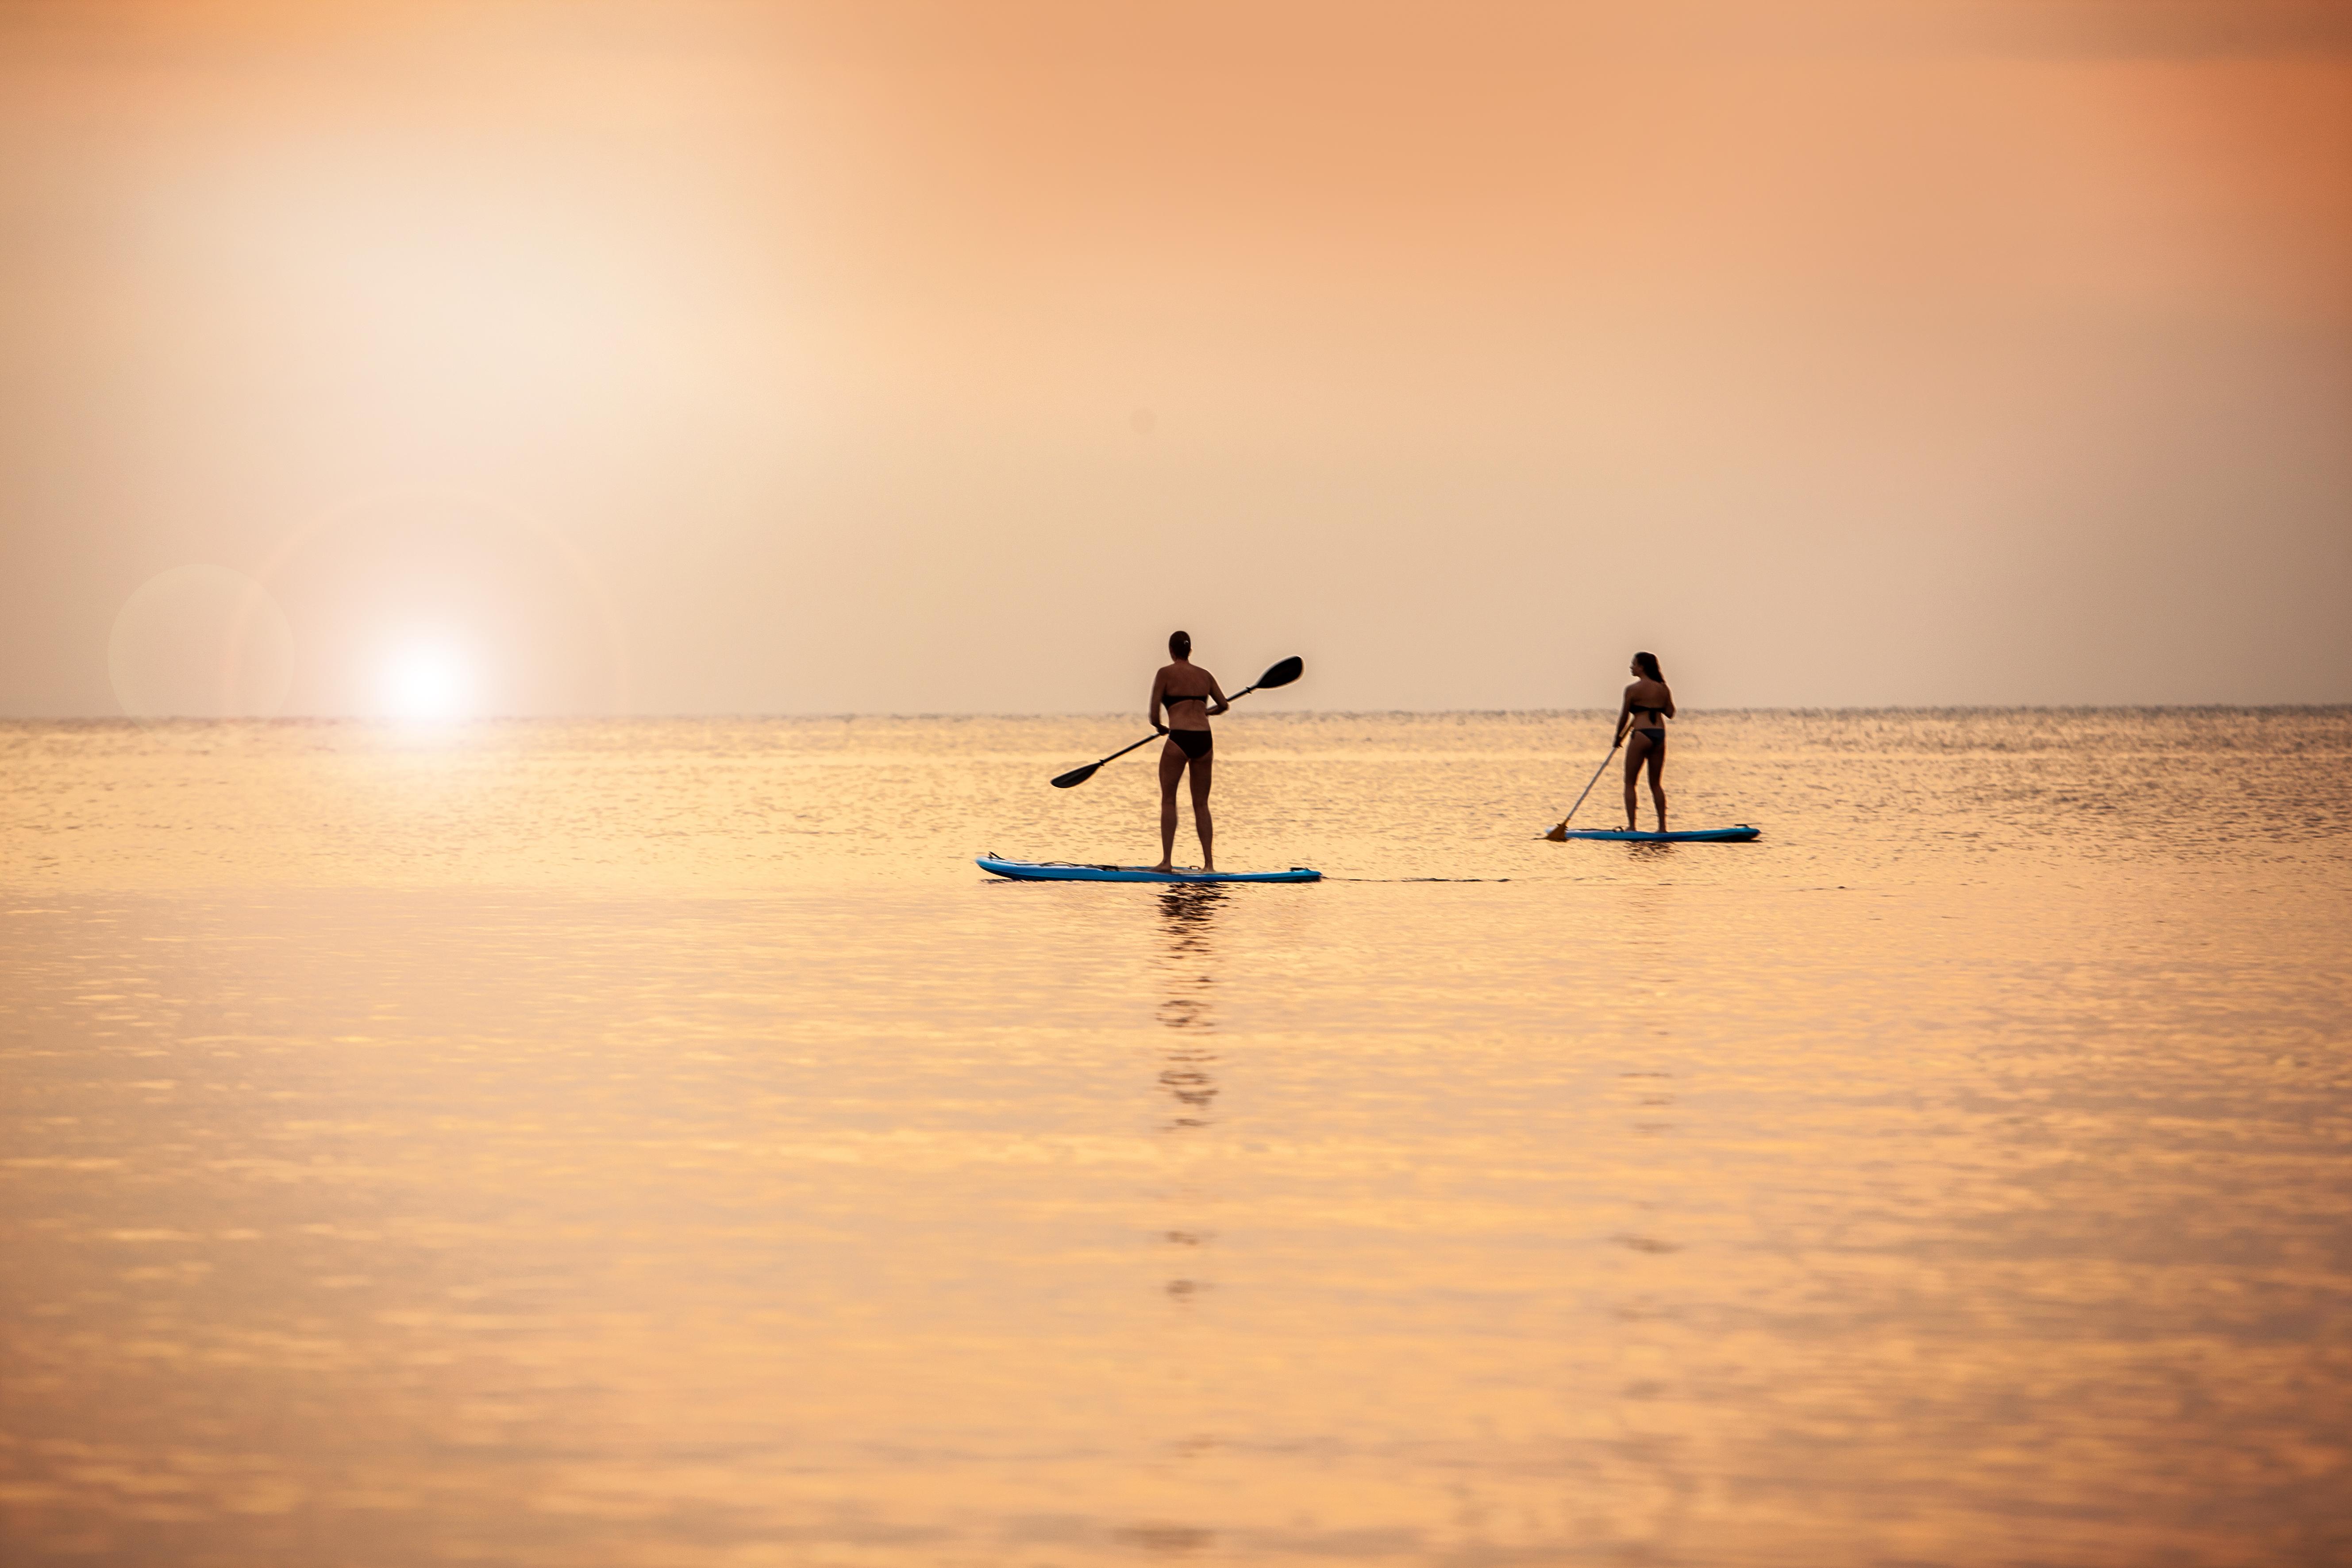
(657, 1144)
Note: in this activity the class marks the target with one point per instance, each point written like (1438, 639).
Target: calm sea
(654, 1144)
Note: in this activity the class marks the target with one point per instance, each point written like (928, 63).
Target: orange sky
(734, 357)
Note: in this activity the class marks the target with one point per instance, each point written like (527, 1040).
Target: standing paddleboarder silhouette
(1193, 698)
(1649, 703)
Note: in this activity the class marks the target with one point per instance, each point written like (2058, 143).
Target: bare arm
(1158, 682)
(1218, 692)
(1624, 717)
(1670, 700)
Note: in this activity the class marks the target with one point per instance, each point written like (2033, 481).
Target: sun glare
(427, 683)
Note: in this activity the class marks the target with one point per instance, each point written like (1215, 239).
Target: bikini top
(1170, 699)
(1654, 712)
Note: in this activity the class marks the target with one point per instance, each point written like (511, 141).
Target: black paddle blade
(1283, 673)
(1075, 777)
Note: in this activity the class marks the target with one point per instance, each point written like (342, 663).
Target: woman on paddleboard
(1192, 697)
(1649, 703)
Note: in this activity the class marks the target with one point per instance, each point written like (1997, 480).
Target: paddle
(1282, 674)
(1559, 834)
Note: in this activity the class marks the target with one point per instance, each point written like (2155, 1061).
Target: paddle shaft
(1147, 740)
(1123, 749)
(1080, 775)
(1595, 779)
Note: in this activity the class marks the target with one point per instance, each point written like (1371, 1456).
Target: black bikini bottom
(1195, 743)
(1655, 737)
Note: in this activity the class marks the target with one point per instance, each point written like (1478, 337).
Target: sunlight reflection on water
(655, 1143)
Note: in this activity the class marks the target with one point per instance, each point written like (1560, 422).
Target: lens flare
(427, 681)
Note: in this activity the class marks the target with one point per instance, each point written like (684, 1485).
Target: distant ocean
(656, 1144)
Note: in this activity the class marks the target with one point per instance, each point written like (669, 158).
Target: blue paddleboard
(1739, 834)
(1066, 871)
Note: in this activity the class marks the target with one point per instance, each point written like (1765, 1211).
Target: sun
(427, 680)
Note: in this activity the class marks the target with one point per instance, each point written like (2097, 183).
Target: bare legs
(1172, 763)
(1172, 768)
(1201, 812)
(1641, 750)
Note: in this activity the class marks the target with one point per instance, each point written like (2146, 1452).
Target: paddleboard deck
(1070, 871)
(1739, 834)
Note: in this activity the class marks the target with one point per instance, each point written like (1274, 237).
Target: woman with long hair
(1649, 703)
(1193, 698)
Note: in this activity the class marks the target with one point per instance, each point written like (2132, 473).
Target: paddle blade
(1283, 673)
(1077, 776)
(1558, 834)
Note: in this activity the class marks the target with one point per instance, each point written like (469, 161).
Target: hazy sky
(734, 357)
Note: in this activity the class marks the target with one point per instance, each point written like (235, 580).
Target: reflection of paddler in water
(1190, 914)
(1649, 703)
(1193, 698)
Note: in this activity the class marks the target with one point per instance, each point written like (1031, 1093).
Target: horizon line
(387, 721)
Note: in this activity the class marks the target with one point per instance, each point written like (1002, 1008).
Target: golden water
(656, 1144)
